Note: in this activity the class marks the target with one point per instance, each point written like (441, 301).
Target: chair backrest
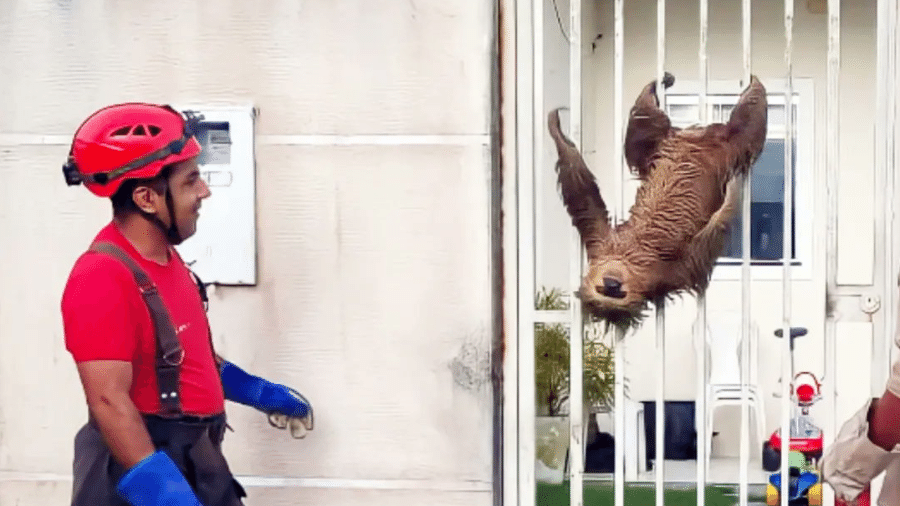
(723, 347)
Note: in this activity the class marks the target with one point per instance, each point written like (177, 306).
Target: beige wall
(856, 235)
(374, 293)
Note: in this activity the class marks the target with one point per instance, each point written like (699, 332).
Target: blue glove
(156, 481)
(284, 405)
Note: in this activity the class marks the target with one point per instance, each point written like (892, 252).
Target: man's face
(188, 190)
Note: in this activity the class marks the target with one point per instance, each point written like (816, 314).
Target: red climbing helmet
(129, 141)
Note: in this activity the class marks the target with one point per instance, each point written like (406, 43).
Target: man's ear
(147, 199)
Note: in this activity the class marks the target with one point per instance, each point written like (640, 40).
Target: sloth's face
(613, 291)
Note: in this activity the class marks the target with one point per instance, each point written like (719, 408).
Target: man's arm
(883, 415)
(862, 449)
(151, 476)
(106, 387)
(284, 405)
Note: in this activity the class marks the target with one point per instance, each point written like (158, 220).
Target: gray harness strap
(169, 353)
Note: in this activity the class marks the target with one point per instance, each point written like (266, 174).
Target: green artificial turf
(601, 494)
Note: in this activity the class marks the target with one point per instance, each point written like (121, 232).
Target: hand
(298, 426)
(156, 480)
(295, 412)
(861, 500)
(283, 405)
(852, 460)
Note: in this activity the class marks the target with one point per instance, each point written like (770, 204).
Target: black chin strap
(171, 232)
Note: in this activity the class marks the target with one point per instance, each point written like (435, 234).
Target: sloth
(690, 190)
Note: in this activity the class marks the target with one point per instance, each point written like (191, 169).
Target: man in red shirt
(135, 324)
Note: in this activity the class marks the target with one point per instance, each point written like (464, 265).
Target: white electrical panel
(223, 250)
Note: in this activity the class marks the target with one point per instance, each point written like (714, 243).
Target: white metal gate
(527, 20)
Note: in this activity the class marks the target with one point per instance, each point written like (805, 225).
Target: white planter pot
(551, 446)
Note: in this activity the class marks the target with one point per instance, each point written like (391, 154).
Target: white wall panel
(420, 66)
(43, 229)
(383, 289)
(35, 492)
(374, 281)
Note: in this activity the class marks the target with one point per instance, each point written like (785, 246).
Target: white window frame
(726, 92)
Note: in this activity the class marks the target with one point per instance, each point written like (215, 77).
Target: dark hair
(122, 201)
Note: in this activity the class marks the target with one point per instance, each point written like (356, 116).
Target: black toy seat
(795, 333)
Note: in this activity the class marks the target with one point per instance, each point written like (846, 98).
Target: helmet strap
(171, 232)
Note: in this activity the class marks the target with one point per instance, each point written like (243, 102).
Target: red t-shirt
(105, 318)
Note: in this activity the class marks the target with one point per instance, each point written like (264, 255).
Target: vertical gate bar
(538, 126)
(893, 161)
(832, 162)
(700, 415)
(885, 89)
(890, 84)
(744, 489)
(618, 78)
(700, 328)
(886, 161)
(618, 165)
(510, 109)
(884, 175)
(659, 466)
(619, 409)
(660, 462)
(661, 51)
(576, 326)
(746, 37)
(528, 149)
(892, 157)
(884, 178)
(787, 231)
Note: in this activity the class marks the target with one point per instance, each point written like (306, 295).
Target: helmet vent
(137, 130)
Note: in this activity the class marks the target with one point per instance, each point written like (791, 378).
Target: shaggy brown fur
(690, 190)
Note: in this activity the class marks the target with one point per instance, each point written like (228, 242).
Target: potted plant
(551, 348)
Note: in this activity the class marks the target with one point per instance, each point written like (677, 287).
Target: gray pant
(194, 445)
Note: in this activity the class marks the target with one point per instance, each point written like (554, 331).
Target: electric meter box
(223, 250)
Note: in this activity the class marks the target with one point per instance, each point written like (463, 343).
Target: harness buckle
(167, 357)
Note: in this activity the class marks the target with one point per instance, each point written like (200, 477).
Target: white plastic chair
(635, 437)
(723, 348)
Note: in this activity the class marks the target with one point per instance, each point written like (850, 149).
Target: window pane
(683, 114)
(776, 114)
(726, 112)
(766, 208)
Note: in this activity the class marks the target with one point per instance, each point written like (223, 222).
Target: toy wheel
(771, 458)
(815, 495)
(771, 495)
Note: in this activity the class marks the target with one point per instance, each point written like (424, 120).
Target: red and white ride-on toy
(805, 436)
